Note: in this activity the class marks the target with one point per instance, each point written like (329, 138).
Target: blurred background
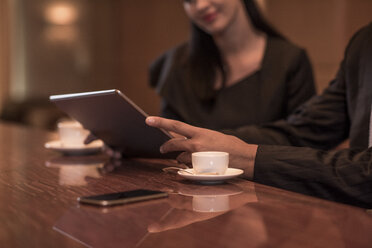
(64, 46)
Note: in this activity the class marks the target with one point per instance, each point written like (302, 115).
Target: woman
(235, 70)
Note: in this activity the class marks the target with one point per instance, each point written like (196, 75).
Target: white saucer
(56, 145)
(210, 179)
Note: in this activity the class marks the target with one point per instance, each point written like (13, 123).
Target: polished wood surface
(38, 190)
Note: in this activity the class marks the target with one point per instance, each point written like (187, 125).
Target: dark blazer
(284, 81)
(342, 111)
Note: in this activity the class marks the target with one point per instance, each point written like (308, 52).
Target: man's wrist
(251, 158)
(245, 159)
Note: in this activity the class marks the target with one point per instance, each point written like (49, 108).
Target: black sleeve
(300, 82)
(344, 176)
(322, 122)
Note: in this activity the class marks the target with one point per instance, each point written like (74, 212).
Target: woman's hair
(205, 59)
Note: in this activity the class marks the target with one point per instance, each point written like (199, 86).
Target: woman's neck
(242, 48)
(240, 37)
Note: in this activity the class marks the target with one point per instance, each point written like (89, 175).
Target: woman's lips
(209, 17)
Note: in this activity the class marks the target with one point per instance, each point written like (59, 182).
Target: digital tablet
(115, 119)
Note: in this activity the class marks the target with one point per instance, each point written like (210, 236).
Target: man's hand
(193, 139)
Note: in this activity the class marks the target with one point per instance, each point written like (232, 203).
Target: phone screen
(122, 197)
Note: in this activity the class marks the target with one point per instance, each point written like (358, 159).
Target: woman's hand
(107, 150)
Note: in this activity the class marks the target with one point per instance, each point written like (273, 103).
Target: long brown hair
(205, 59)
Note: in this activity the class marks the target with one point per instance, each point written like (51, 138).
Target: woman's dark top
(283, 82)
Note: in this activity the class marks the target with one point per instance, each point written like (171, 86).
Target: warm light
(61, 14)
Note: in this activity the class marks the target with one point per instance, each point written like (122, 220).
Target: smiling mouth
(209, 17)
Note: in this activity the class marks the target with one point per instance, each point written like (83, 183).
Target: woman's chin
(214, 30)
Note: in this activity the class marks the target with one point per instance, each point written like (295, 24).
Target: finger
(112, 153)
(117, 155)
(176, 135)
(184, 158)
(183, 165)
(108, 151)
(108, 167)
(90, 138)
(116, 162)
(172, 125)
(175, 145)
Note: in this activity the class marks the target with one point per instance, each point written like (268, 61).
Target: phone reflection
(120, 226)
(74, 170)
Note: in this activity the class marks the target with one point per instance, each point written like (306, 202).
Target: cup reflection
(195, 204)
(74, 171)
(215, 198)
(214, 203)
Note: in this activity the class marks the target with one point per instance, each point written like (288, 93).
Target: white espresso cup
(72, 133)
(210, 162)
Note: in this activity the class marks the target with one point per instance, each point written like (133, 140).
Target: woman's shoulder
(176, 54)
(168, 61)
(285, 50)
(283, 43)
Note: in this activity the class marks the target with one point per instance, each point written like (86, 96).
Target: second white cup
(72, 133)
(211, 162)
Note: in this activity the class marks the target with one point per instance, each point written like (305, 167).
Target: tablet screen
(115, 119)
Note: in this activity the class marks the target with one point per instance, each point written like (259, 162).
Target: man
(342, 111)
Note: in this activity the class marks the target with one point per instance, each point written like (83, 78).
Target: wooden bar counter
(39, 187)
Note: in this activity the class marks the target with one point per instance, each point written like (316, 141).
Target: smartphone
(122, 197)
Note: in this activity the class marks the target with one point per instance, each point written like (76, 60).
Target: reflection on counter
(196, 203)
(215, 203)
(93, 226)
(74, 170)
(134, 223)
(216, 198)
(221, 203)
